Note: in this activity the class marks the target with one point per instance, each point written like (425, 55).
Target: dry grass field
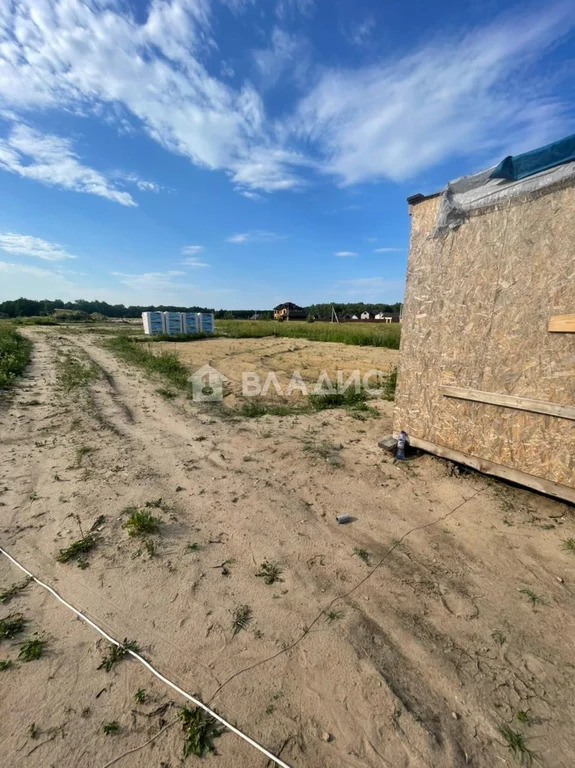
(433, 631)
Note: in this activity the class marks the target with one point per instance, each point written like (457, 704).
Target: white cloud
(286, 8)
(287, 56)
(51, 160)
(387, 250)
(460, 96)
(360, 33)
(193, 262)
(191, 250)
(142, 184)
(71, 55)
(470, 94)
(167, 288)
(345, 254)
(26, 245)
(158, 281)
(148, 288)
(254, 236)
(34, 283)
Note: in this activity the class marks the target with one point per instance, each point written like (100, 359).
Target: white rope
(147, 664)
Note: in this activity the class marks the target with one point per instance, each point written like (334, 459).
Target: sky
(241, 153)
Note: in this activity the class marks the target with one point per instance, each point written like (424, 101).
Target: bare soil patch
(282, 357)
(415, 658)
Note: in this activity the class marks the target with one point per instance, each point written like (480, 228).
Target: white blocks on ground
(189, 322)
(172, 322)
(153, 323)
(177, 322)
(205, 322)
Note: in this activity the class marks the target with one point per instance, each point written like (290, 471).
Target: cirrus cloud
(470, 94)
(51, 160)
(27, 245)
(254, 236)
(191, 250)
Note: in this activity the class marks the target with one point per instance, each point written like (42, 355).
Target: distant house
(366, 315)
(354, 317)
(386, 317)
(289, 311)
(255, 316)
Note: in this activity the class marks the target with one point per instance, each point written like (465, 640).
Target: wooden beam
(510, 401)
(497, 470)
(562, 324)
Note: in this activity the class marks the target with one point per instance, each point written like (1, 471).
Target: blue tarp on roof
(516, 167)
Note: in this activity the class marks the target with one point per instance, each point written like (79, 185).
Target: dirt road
(416, 662)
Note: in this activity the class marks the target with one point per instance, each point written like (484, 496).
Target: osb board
(477, 306)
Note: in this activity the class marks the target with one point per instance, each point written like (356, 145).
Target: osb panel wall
(477, 306)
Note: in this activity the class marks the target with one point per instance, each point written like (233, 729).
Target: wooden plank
(510, 401)
(562, 324)
(497, 470)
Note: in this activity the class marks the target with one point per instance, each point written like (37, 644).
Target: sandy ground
(425, 655)
(282, 358)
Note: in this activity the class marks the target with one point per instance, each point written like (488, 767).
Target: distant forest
(32, 308)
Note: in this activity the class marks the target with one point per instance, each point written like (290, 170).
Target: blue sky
(239, 153)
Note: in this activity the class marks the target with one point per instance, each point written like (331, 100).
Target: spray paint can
(401, 441)
(343, 518)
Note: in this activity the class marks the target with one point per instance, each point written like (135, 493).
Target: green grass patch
(35, 320)
(167, 394)
(6, 664)
(110, 728)
(15, 589)
(117, 653)
(363, 554)
(348, 399)
(532, 596)
(515, 742)
(242, 617)
(200, 729)
(269, 572)
(11, 625)
(141, 523)
(77, 550)
(355, 333)
(388, 390)
(165, 364)
(175, 337)
(253, 409)
(15, 352)
(32, 649)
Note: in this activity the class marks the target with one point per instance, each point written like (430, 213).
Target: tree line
(32, 308)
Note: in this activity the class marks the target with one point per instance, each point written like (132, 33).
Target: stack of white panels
(177, 322)
(153, 323)
(205, 322)
(172, 322)
(189, 322)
